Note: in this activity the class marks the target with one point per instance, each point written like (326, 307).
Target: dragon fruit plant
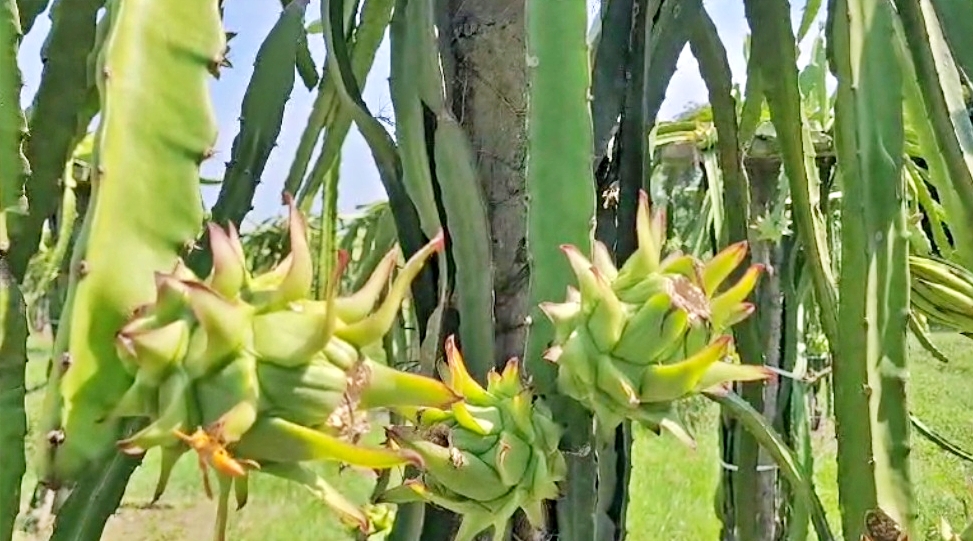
(487, 456)
(631, 341)
(254, 375)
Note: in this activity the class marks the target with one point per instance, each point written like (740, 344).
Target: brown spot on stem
(65, 361)
(879, 526)
(55, 437)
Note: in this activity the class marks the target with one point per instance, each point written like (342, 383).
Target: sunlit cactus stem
(155, 129)
(870, 369)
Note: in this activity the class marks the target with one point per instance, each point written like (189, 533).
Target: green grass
(672, 486)
(672, 490)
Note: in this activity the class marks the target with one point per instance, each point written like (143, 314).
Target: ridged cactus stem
(872, 421)
(261, 115)
(770, 23)
(55, 118)
(13, 125)
(157, 125)
(741, 448)
(414, 61)
(794, 405)
(13, 429)
(561, 210)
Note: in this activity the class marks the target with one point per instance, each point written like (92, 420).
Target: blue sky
(253, 19)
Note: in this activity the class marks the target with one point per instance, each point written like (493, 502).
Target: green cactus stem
(54, 120)
(872, 420)
(13, 125)
(157, 125)
(561, 210)
(13, 429)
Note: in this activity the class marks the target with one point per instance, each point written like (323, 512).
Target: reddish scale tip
(644, 198)
(739, 245)
(771, 375)
(199, 287)
(552, 354)
(287, 198)
(124, 340)
(160, 278)
(598, 275)
(454, 359)
(413, 483)
(343, 258)
(566, 248)
(214, 228)
(513, 363)
(439, 241)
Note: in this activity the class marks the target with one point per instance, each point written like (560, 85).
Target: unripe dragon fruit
(487, 456)
(252, 374)
(630, 342)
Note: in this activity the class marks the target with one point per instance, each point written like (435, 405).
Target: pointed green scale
(719, 268)
(222, 391)
(277, 440)
(510, 458)
(229, 267)
(460, 471)
(663, 383)
(174, 395)
(288, 338)
(640, 340)
(170, 456)
(388, 388)
(607, 320)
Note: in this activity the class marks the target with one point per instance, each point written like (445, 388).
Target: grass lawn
(672, 487)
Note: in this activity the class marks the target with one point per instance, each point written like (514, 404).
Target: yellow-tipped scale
(629, 342)
(487, 456)
(255, 376)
